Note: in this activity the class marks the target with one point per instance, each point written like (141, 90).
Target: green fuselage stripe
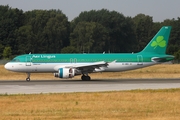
(87, 58)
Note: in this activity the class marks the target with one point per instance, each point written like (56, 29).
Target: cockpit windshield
(15, 60)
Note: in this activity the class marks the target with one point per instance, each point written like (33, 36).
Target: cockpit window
(15, 60)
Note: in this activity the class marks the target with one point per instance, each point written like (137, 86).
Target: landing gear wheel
(27, 79)
(88, 78)
(85, 78)
(82, 77)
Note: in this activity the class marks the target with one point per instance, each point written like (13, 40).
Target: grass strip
(117, 105)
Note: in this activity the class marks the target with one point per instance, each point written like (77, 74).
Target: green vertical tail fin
(159, 42)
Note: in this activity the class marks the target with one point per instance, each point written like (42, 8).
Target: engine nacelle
(65, 73)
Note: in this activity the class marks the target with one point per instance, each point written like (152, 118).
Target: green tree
(174, 42)
(24, 39)
(69, 49)
(48, 31)
(89, 37)
(1, 50)
(44, 32)
(119, 28)
(143, 30)
(56, 33)
(7, 52)
(177, 56)
(10, 20)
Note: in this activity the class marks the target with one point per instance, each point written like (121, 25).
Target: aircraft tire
(27, 79)
(85, 78)
(88, 78)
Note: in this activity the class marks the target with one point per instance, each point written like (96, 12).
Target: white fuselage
(53, 67)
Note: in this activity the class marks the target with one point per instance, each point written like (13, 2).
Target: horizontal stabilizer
(162, 59)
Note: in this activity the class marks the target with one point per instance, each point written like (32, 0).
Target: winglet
(159, 42)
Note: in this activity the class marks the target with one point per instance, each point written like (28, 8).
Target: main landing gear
(85, 77)
(28, 77)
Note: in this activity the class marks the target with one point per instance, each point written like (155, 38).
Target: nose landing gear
(28, 77)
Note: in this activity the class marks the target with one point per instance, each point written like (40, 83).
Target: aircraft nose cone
(7, 66)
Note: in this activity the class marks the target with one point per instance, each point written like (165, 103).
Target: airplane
(70, 65)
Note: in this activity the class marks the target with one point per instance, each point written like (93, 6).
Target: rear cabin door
(139, 60)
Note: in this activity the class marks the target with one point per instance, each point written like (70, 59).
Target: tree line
(95, 31)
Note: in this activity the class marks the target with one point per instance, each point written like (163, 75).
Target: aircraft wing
(92, 67)
(85, 68)
(95, 64)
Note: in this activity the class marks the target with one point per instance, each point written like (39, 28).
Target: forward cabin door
(28, 61)
(72, 61)
(139, 60)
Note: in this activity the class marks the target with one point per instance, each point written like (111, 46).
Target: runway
(64, 86)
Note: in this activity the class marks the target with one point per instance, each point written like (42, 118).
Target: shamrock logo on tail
(159, 42)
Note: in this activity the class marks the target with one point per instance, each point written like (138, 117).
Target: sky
(158, 9)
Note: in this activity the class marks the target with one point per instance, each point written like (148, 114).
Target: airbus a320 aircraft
(70, 65)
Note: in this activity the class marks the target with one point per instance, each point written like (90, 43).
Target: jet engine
(65, 73)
